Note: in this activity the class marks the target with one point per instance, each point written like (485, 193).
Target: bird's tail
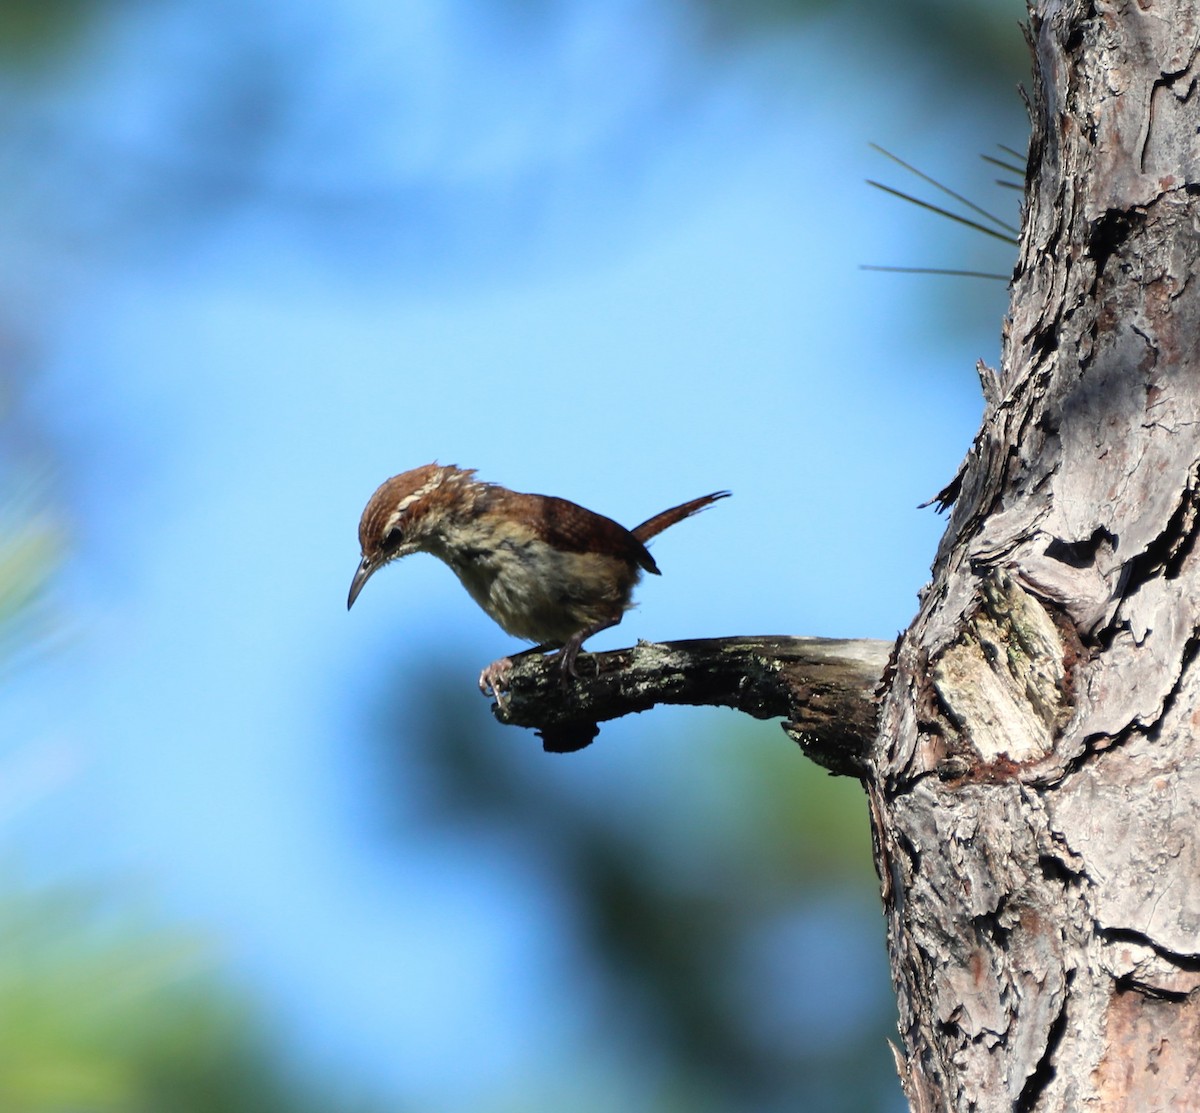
(651, 527)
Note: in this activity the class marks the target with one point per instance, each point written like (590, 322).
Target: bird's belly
(543, 594)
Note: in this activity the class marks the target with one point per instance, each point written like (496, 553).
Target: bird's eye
(393, 537)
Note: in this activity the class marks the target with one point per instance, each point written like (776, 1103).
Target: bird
(545, 569)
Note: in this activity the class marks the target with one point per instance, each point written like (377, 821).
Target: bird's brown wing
(575, 529)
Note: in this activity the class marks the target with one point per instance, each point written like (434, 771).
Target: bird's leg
(568, 653)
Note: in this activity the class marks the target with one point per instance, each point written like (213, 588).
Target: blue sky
(687, 315)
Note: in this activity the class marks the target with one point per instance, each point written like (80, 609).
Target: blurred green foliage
(963, 38)
(691, 861)
(102, 1011)
(102, 1014)
(32, 31)
(30, 545)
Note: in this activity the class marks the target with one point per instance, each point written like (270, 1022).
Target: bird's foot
(493, 681)
(565, 659)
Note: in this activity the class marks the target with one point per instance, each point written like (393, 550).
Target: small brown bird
(545, 569)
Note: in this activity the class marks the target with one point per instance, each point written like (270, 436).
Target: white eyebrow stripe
(408, 500)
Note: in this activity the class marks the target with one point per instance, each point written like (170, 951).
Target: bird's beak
(363, 574)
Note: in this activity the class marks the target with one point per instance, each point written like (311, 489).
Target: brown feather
(575, 529)
(651, 527)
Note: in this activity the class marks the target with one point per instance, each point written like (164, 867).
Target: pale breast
(542, 594)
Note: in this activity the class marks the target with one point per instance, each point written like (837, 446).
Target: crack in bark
(1166, 553)
(1190, 649)
(1107, 236)
(1044, 1072)
(1183, 960)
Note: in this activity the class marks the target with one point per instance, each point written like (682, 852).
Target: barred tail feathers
(654, 526)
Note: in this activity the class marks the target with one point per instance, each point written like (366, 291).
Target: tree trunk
(1035, 786)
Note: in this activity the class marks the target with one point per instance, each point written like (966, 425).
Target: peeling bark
(1035, 785)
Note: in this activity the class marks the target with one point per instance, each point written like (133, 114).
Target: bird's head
(407, 514)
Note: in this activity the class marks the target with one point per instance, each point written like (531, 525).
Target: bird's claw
(493, 681)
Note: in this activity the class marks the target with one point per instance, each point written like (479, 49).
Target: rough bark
(1035, 785)
(825, 689)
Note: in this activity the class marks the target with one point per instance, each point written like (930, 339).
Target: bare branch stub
(824, 689)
